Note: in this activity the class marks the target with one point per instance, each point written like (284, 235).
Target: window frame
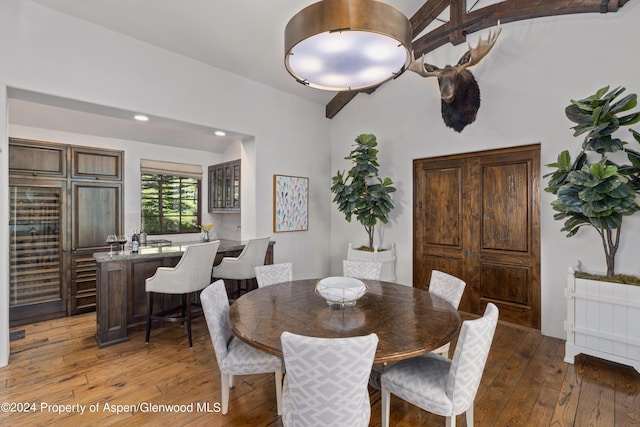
(163, 177)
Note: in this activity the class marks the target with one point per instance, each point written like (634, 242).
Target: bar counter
(120, 295)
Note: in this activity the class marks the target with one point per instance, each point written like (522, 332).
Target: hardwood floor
(525, 383)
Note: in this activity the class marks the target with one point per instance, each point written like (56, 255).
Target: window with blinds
(170, 197)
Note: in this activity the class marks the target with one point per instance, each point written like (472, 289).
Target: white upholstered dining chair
(191, 274)
(234, 356)
(362, 269)
(326, 380)
(449, 288)
(274, 273)
(439, 385)
(241, 269)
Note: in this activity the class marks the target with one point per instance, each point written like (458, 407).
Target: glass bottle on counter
(135, 243)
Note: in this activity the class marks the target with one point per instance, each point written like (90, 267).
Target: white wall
(47, 52)
(526, 81)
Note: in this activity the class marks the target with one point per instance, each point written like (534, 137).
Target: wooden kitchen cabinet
(83, 283)
(95, 163)
(224, 187)
(65, 200)
(36, 158)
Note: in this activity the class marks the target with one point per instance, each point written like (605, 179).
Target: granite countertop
(158, 252)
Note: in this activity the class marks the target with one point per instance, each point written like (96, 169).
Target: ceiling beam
(419, 21)
(462, 24)
(427, 13)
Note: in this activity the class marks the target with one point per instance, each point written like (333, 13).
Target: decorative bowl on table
(341, 291)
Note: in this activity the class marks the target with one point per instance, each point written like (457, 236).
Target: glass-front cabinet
(224, 187)
(36, 266)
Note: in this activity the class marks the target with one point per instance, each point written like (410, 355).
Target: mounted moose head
(458, 88)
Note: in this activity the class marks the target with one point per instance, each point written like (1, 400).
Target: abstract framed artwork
(290, 203)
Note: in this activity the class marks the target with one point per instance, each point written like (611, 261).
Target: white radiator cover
(603, 320)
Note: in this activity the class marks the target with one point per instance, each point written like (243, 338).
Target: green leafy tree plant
(360, 192)
(593, 190)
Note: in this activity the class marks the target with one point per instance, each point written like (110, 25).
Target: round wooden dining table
(408, 321)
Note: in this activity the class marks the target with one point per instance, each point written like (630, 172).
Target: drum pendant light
(343, 45)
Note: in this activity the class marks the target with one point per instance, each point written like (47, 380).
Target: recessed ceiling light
(220, 133)
(141, 118)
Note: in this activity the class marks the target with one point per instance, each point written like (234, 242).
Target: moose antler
(474, 55)
(471, 57)
(424, 69)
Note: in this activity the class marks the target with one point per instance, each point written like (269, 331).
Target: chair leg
(238, 288)
(188, 316)
(183, 306)
(225, 392)
(451, 421)
(386, 406)
(149, 309)
(278, 375)
(470, 416)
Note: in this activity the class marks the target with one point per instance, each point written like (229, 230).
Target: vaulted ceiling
(246, 37)
(465, 19)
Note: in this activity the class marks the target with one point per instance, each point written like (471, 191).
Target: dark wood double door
(476, 216)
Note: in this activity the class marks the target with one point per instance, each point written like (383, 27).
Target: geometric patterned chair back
(215, 304)
(234, 357)
(274, 273)
(326, 380)
(437, 384)
(361, 269)
(469, 358)
(447, 287)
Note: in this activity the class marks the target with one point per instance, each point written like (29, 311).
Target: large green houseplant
(360, 192)
(594, 190)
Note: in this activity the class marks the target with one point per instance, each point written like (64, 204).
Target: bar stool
(191, 274)
(241, 269)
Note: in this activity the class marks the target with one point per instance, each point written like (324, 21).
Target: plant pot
(602, 320)
(386, 256)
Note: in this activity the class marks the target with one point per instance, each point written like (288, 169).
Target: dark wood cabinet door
(35, 158)
(96, 209)
(111, 324)
(476, 216)
(94, 163)
(83, 283)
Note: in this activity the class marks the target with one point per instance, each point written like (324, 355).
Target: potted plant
(597, 191)
(593, 190)
(360, 192)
